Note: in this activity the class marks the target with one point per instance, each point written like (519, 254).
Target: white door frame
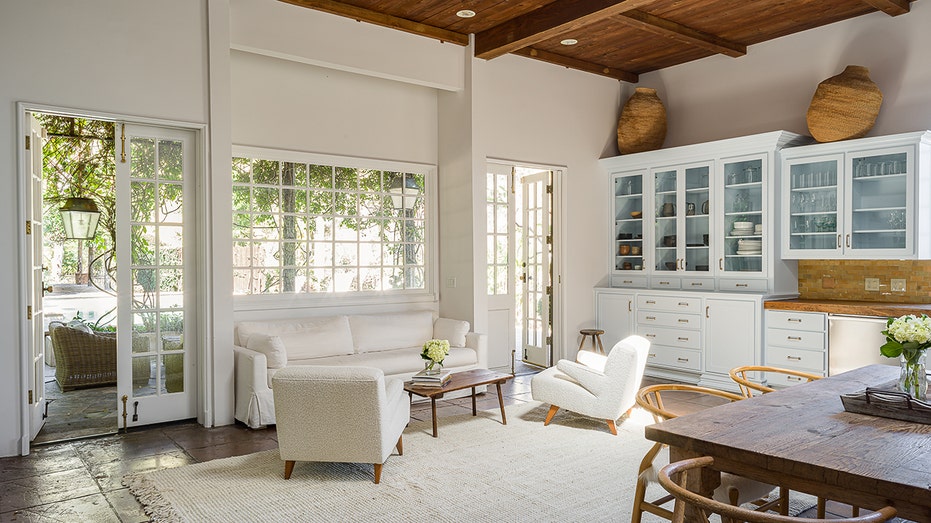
(561, 343)
(205, 357)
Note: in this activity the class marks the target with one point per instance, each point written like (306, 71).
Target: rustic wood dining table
(802, 438)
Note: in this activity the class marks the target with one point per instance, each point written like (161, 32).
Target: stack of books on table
(431, 380)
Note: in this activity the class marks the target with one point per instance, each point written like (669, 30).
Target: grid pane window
(310, 228)
(496, 202)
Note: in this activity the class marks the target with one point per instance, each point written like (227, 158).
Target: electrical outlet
(872, 284)
(451, 283)
(898, 285)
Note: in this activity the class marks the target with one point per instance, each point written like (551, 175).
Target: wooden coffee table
(458, 381)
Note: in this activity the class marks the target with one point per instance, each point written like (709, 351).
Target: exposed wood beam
(546, 22)
(384, 20)
(581, 65)
(670, 29)
(890, 7)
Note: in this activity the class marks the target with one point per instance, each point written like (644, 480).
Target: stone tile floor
(81, 480)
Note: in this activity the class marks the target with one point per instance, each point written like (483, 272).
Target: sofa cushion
(272, 347)
(391, 331)
(453, 331)
(405, 362)
(304, 338)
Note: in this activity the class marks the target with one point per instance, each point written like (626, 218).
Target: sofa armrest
(251, 383)
(478, 342)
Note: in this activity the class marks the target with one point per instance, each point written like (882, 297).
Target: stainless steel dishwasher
(854, 341)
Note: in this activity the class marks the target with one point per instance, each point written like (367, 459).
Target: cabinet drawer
(803, 321)
(638, 281)
(698, 284)
(670, 337)
(666, 282)
(798, 359)
(669, 319)
(743, 285)
(670, 303)
(673, 357)
(795, 339)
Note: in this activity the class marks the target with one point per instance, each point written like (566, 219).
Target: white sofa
(391, 342)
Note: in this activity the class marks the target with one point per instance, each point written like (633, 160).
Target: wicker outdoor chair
(83, 359)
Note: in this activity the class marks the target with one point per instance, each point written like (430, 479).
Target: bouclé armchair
(598, 386)
(339, 414)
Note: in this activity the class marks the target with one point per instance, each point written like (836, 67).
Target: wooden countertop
(857, 308)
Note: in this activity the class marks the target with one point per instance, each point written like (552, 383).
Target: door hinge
(29, 316)
(549, 239)
(28, 142)
(28, 226)
(549, 341)
(549, 189)
(549, 290)
(30, 396)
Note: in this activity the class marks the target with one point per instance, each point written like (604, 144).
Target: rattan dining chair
(750, 388)
(673, 477)
(735, 489)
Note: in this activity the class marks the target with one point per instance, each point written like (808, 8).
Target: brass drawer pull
(628, 281)
(697, 284)
(651, 318)
(680, 338)
(742, 285)
(651, 302)
(794, 338)
(683, 320)
(794, 358)
(793, 378)
(683, 360)
(685, 303)
(652, 355)
(663, 283)
(649, 335)
(794, 320)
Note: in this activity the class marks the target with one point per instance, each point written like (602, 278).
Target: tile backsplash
(845, 280)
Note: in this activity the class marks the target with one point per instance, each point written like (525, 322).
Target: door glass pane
(813, 205)
(628, 222)
(743, 216)
(697, 223)
(879, 202)
(665, 236)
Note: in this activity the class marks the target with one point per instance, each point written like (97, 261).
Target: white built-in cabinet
(694, 337)
(674, 213)
(866, 198)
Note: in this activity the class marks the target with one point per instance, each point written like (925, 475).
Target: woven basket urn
(642, 126)
(844, 106)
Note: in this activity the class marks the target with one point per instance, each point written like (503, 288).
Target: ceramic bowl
(743, 225)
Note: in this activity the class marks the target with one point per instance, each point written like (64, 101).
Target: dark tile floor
(81, 480)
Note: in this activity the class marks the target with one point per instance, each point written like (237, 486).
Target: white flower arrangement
(906, 335)
(435, 351)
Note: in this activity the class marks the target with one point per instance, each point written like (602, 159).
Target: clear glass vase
(913, 378)
(432, 368)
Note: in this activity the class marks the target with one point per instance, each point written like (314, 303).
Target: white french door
(499, 204)
(537, 269)
(34, 311)
(156, 355)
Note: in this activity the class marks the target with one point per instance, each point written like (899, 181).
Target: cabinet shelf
(631, 195)
(743, 255)
(879, 177)
(696, 190)
(743, 185)
(815, 213)
(815, 188)
(630, 240)
(694, 216)
(821, 233)
(746, 237)
(628, 220)
(878, 231)
(878, 209)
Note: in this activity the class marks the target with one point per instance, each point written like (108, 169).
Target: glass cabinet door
(814, 223)
(877, 201)
(666, 233)
(744, 233)
(697, 219)
(628, 222)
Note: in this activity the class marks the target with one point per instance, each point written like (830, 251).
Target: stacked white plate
(742, 229)
(749, 246)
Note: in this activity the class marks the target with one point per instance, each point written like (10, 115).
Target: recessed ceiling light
(569, 41)
(465, 13)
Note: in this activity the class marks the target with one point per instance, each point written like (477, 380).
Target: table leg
(703, 483)
(473, 401)
(433, 409)
(504, 418)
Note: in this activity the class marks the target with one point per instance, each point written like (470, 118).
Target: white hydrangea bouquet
(435, 352)
(908, 338)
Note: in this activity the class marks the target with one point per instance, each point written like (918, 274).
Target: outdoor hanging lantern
(404, 193)
(80, 217)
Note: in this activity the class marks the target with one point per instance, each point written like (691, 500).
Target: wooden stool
(596, 337)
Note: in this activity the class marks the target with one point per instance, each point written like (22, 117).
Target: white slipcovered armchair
(598, 386)
(339, 414)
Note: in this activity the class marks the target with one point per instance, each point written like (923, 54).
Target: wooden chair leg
(400, 445)
(611, 426)
(783, 501)
(288, 468)
(377, 472)
(639, 497)
(550, 414)
(821, 506)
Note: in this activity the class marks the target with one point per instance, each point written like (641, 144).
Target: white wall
(289, 105)
(771, 87)
(135, 58)
(529, 111)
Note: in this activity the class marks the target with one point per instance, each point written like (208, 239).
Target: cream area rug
(477, 470)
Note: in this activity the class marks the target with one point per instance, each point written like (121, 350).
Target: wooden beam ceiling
(667, 28)
(890, 7)
(580, 65)
(384, 20)
(547, 22)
